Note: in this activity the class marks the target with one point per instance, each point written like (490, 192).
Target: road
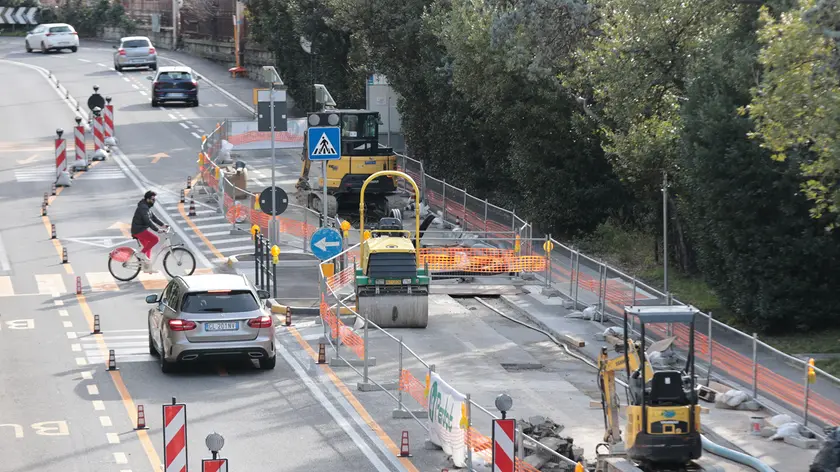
(62, 408)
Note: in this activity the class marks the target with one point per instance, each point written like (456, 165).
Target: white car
(52, 37)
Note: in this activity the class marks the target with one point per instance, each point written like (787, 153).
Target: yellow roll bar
(394, 173)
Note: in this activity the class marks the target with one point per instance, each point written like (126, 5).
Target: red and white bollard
(504, 449)
(81, 153)
(174, 436)
(141, 418)
(78, 285)
(109, 118)
(98, 134)
(62, 177)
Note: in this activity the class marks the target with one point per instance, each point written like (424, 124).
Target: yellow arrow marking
(124, 228)
(158, 156)
(28, 160)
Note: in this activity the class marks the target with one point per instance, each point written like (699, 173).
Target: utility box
(382, 98)
(264, 110)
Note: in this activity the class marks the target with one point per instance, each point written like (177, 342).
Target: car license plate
(221, 326)
(175, 95)
(137, 61)
(393, 282)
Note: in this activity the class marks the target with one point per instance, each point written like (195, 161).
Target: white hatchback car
(52, 37)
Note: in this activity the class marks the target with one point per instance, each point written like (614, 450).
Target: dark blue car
(174, 84)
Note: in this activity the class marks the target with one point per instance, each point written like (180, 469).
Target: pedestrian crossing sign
(324, 143)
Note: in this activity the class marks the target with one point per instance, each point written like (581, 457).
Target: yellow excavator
(361, 156)
(663, 417)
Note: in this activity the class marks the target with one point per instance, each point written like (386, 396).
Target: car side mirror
(263, 294)
(151, 299)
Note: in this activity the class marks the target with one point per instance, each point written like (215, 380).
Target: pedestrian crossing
(129, 345)
(215, 228)
(46, 173)
(92, 282)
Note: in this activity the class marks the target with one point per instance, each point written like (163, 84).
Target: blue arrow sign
(326, 243)
(324, 143)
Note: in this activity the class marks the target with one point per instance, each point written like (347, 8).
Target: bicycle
(125, 257)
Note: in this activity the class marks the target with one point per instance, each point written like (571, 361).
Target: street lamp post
(273, 78)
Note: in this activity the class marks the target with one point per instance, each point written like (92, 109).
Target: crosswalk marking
(231, 240)
(46, 173)
(132, 347)
(221, 225)
(6, 289)
(49, 284)
(152, 281)
(101, 282)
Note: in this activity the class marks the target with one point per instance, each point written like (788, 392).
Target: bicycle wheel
(179, 261)
(126, 270)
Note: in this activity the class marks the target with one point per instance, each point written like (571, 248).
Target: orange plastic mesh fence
(410, 385)
(341, 279)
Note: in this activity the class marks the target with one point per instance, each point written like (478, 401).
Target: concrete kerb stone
(570, 341)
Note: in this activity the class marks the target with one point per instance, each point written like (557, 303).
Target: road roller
(392, 286)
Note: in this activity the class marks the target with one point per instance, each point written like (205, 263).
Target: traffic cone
(46, 198)
(192, 207)
(405, 451)
(96, 328)
(183, 196)
(43, 209)
(78, 285)
(64, 255)
(189, 182)
(53, 188)
(112, 360)
(52, 231)
(288, 316)
(141, 418)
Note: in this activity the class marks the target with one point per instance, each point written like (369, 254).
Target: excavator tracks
(622, 464)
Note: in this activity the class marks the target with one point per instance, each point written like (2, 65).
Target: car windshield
(60, 29)
(175, 76)
(136, 43)
(219, 301)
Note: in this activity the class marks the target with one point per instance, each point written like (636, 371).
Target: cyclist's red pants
(148, 239)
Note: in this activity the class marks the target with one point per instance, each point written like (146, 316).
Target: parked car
(135, 51)
(52, 37)
(174, 84)
(210, 316)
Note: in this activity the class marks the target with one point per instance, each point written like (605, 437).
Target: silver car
(210, 316)
(135, 51)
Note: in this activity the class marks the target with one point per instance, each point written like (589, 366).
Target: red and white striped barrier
(175, 438)
(62, 177)
(214, 465)
(109, 120)
(504, 452)
(98, 138)
(81, 153)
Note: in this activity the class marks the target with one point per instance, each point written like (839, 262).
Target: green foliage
(569, 112)
(796, 106)
(90, 19)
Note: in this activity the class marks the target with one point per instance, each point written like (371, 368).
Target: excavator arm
(303, 180)
(609, 395)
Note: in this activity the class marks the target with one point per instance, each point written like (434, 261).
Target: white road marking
(172, 116)
(184, 126)
(195, 126)
(58, 302)
(87, 375)
(72, 335)
(212, 84)
(50, 284)
(189, 122)
(201, 130)
(144, 93)
(76, 347)
(68, 324)
(98, 405)
(105, 421)
(113, 438)
(4, 258)
(63, 313)
(93, 390)
(196, 135)
(81, 361)
(221, 225)
(102, 65)
(164, 109)
(137, 87)
(120, 458)
(217, 233)
(84, 60)
(127, 79)
(6, 288)
(331, 409)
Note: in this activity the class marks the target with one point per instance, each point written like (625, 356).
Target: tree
(796, 105)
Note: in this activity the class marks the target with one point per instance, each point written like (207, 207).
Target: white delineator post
(81, 153)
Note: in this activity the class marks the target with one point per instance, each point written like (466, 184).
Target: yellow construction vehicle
(392, 287)
(361, 156)
(663, 418)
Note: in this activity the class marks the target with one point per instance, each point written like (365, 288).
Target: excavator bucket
(395, 308)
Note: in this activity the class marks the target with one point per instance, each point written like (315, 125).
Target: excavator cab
(361, 156)
(663, 419)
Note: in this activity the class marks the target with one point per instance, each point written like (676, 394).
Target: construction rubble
(547, 433)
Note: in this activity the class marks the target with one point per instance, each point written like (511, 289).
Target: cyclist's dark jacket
(144, 219)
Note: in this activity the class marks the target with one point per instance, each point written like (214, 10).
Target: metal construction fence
(737, 358)
(411, 378)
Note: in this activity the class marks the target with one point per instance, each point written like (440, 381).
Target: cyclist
(142, 225)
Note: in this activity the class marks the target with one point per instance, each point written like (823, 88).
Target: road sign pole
(273, 226)
(324, 178)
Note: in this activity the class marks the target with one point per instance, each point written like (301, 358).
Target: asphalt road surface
(62, 409)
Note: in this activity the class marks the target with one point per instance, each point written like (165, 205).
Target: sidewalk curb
(571, 342)
(278, 308)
